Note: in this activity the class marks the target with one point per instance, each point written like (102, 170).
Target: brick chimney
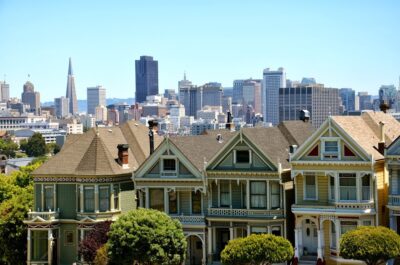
(152, 129)
(381, 144)
(123, 155)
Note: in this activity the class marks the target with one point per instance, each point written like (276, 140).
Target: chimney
(229, 124)
(381, 144)
(384, 106)
(152, 124)
(304, 115)
(292, 149)
(123, 155)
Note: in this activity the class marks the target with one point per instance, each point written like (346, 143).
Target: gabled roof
(365, 130)
(95, 153)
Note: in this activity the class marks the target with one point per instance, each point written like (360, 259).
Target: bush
(257, 249)
(101, 256)
(94, 240)
(373, 245)
(148, 237)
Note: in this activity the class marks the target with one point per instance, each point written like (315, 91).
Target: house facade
(392, 156)
(340, 182)
(89, 181)
(222, 185)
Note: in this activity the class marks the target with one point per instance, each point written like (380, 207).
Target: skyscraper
(5, 91)
(96, 96)
(348, 97)
(146, 78)
(61, 106)
(365, 101)
(71, 93)
(247, 92)
(31, 98)
(272, 82)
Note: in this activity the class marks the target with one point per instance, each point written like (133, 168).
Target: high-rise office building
(170, 94)
(365, 101)
(388, 94)
(321, 102)
(188, 96)
(4, 91)
(348, 97)
(247, 93)
(61, 105)
(71, 93)
(184, 83)
(96, 96)
(31, 98)
(272, 82)
(146, 78)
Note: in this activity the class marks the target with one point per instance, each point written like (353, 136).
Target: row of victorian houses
(307, 185)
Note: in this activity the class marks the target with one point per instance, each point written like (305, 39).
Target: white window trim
(328, 139)
(44, 197)
(162, 171)
(241, 163)
(201, 204)
(332, 239)
(304, 188)
(358, 188)
(330, 188)
(219, 195)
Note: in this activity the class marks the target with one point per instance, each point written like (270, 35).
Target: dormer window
(330, 148)
(169, 164)
(243, 156)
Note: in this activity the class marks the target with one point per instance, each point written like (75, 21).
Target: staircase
(308, 260)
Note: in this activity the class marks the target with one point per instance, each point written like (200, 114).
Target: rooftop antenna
(184, 75)
(6, 75)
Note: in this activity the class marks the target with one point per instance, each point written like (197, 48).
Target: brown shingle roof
(95, 153)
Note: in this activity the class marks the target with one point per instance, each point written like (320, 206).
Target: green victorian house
(87, 182)
(223, 185)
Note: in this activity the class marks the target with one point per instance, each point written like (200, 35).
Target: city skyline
(342, 45)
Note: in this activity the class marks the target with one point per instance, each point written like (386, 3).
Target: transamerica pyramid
(71, 93)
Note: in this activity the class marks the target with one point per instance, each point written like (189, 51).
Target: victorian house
(341, 182)
(223, 185)
(87, 182)
(392, 156)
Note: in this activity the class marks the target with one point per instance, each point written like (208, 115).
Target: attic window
(169, 164)
(242, 156)
(348, 152)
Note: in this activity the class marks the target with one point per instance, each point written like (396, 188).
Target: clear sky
(342, 43)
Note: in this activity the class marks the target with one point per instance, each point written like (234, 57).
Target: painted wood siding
(322, 191)
(185, 202)
(394, 180)
(127, 197)
(322, 185)
(67, 207)
(382, 186)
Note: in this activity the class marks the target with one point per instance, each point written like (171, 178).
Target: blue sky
(341, 43)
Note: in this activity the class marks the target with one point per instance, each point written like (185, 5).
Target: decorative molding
(81, 179)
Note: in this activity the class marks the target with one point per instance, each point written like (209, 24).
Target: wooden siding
(236, 195)
(67, 207)
(382, 186)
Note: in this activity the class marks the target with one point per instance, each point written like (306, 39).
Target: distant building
(184, 83)
(101, 113)
(226, 104)
(365, 101)
(348, 97)
(388, 94)
(228, 92)
(74, 127)
(96, 96)
(188, 96)
(146, 78)
(31, 98)
(321, 102)
(210, 95)
(4, 91)
(308, 81)
(248, 93)
(170, 94)
(272, 82)
(61, 105)
(71, 93)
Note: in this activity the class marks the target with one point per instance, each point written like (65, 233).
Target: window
(224, 194)
(347, 226)
(48, 197)
(89, 198)
(333, 236)
(276, 230)
(39, 245)
(173, 202)
(331, 188)
(348, 187)
(366, 223)
(366, 188)
(68, 237)
(242, 156)
(331, 146)
(169, 164)
(116, 196)
(275, 195)
(311, 187)
(196, 202)
(258, 230)
(157, 199)
(104, 198)
(258, 197)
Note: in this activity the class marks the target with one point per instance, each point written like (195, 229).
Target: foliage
(53, 148)
(16, 198)
(101, 256)
(94, 240)
(8, 147)
(373, 245)
(257, 249)
(36, 146)
(146, 236)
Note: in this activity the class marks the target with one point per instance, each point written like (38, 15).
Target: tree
(36, 146)
(146, 236)
(373, 245)
(94, 240)
(53, 148)
(8, 147)
(101, 256)
(262, 249)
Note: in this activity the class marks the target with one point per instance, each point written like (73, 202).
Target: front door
(195, 251)
(222, 239)
(310, 238)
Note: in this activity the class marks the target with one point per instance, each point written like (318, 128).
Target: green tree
(373, 245)
(263, 249)
(53, 148)
(8, 147)
(101, 256)
(36, 146)
(148, 237)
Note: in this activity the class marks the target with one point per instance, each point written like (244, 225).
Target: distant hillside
(82, 104)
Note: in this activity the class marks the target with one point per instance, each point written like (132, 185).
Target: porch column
(82, 235)
(296, 243)
(29, 245)
(209, 242)
(81, 199)
(96, 198)
(248, 230)
(49, 246)
(231, 232)
(319, 249)
(337, 227)
(392, 220)
(203, 261)
(166, 201)
(247, 194)
(141, 204)
(147, 198)
(336, 177)
(214, 240)
(112, 206)
(230, 193)
(358, 186)
(300, 239)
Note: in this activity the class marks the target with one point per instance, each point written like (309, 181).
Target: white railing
(394, 200)
(243, 212)
(48, 216)
(194, 219)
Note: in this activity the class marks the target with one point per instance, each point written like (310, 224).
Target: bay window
(366, 188)
(258, 194)
(224, 194)
(310, 187)
(104, 198)
(156, 199)
(348, 186)
(346, 226)
(89, 199)
(196, 202)
(275, 195)
(173, 202)
(49, 197)
(116, 196)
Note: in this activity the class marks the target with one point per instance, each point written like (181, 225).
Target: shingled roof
(365, 130)
(95, 153)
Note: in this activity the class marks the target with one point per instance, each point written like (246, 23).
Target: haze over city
(340, 43)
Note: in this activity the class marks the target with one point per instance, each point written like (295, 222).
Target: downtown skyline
(340, 44)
